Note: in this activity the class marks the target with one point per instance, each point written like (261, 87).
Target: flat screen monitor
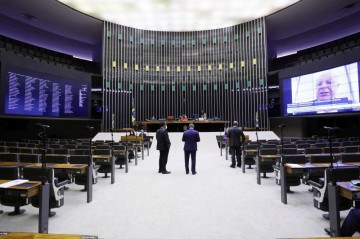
(32, 93)
(334, 90)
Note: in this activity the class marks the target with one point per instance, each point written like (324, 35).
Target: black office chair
(351, 149)
(289, 151)
(80, 179)
(249, 156)
(16, 201)
(63, 151)
(3, 149)
(320, 197)
(105, 167)
(335, 150)
(29, 158)
(120, 155)
(10, 157)
(56, 199)
(291, 180)
(59, 159)
(266, 166)
(314, 150)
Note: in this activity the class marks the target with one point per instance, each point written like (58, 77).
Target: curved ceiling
(178, 15)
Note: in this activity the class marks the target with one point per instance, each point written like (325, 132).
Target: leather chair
(56, 198)
(29, 158)
(288, 151)
(267, 165)
(320, 188)
(335, 150)
(314, 150)
(105, 167)
(3, 149)
(249, 157)
(80, 179)
(63, 151)
(120, 157)
(16, 201)
(59, 159)
(10, 157)
(351, 149)
(291, 180)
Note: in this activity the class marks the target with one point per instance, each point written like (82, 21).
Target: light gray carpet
(218, 202)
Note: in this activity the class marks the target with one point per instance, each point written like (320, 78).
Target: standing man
(163, 145)
(190, 137)
(235, 141)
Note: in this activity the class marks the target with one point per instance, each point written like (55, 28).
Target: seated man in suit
(350, 225)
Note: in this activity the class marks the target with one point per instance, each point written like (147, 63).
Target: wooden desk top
(31, 188)
(28, 235)
(347, 190)
(19, 164)
(304, 168)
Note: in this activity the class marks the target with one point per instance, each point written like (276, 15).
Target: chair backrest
(119, 147)
(346, 143)
(79, 159)
(297, 159)
(268, 146)
(268, 151)
(26, 150)
(11, 157)
(286, 146)
(314, 150)
(345, 158)
(82, 146)
(56, 159)
(9, 172)
(82, 152)
(320, 159)
(29, 158)
(288, 151)
(102, 152)
(334, 150)
(321, 144)
(303, 145)
(12, 149)
(343, 174)
(102, 147)
(251, 146)
(351, 149)
(12, 144)
(3, 149)
(61, 151)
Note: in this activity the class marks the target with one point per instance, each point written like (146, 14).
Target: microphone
(282, 126)
(331, 128)
(111, 130)
(89, 127)
(42, 125)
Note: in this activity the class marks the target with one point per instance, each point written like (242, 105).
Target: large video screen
(334, 90)
(32, 93)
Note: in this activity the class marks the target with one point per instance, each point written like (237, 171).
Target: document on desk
(13, 183)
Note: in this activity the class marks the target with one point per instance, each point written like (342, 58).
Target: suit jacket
(234, 136)
(190, 137)
(163, 141)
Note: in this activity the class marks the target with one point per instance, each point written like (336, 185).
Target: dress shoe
(160, 171)
(239, 165)
(194, 173)
(326, 216)
(187, 172)
(232, 166)
(166, 172)
(327, 230)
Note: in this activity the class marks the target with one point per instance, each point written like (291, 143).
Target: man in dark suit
(190, 137)
(163, 145)
(350, 225)
(235, 142)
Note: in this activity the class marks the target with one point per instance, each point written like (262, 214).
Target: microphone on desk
(282, 126)
(43, 126)
(331, 128)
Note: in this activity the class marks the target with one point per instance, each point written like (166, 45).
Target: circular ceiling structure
(178, 15)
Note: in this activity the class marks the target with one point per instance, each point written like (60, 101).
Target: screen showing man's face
(325, 87)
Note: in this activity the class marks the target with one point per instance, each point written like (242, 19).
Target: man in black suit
(190, 137)
(235, 142)
(163, 145)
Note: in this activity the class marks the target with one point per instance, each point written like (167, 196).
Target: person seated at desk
(143, 134)
(350, 225)
(183, 118)
(132, 133)
(202, 116)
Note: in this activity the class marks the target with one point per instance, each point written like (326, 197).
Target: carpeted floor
(218, 202)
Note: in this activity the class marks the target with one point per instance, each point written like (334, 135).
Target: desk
(302, 169)
(28, 235)
(72, 169)
(178, 126)
(28, 190)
